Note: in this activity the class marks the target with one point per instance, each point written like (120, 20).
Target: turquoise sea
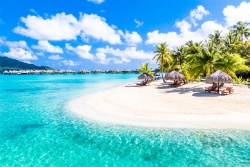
(36, 130)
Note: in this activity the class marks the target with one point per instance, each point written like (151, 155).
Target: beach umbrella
(145, 76)
(219, 77)
(174, 75)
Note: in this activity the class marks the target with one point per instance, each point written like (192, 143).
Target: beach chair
(227, 90)
(174, 84)
(211, 89)
(143, 83)
(178, 84)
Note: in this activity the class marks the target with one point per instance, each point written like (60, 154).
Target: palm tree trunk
(164, 81)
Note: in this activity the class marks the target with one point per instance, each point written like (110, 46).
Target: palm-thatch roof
(174, 75)
(219, 77)
(145, 76)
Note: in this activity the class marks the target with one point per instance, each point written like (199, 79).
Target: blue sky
(108, 34)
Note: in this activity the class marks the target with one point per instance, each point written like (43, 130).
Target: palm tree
(216, 37)
(205, 59)
(241, 30)
(145, 69)
(179, 57)
(232, 63)
(163, 55)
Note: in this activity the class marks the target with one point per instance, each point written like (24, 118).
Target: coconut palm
(203, 59)
(179, 57)
(216, 37)
(241, 30)
(145, 69)
(206, 59)
(163, 56)
(232, 63)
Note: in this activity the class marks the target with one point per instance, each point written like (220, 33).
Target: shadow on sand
(196, 91)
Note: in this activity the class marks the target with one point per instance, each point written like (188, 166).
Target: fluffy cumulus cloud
(18, 50)
(175, 39)
(96, 1)
(123, 55)
(47, 47)
(17, 44)
(67, 27)
(131, 39)
(82, 50)
(20, 54)
(197, 14)
(96, 27)
(58, 27)
(70, 63)
(234, 14)
(55, 57)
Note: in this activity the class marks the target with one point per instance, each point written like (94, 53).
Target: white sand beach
(160, 105)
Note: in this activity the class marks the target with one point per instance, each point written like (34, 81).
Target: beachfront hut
(219, 77)
(175, 76)
(146, 77)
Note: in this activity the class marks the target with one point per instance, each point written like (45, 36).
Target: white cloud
(46, 46)
(70, 63)
(186, 34)
(235, 14)
(1, 41)
(131, 39)
(82, 50)
(197, 14)
(95, 26)
(33, 11)
(138, 23)
(183, 25)
(174, 40)
(55, 57)
(67, 27)
(127, 54)
(102, 59)
(40, 54)
(17, 44)
(20, 54)
(96, 1)
(59, 27)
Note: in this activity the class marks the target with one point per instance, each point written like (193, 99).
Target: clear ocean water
(36, 130)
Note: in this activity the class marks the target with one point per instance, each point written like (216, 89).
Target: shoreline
(162, 106)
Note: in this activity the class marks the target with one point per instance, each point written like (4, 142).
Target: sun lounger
(227, 90)
(211, 89)
(176, 83)
(143, 83)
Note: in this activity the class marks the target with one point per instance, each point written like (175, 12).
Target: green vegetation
(229, 53)
(145, 69)
(241, 81)
(12, 64)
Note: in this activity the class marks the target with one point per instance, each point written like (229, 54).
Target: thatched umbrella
(219, 77)
(146, 77)
(174, 75)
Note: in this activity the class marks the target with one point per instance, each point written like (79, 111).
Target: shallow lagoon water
(36, 130)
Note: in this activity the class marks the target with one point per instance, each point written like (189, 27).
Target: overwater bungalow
(96, 71)
(83, 72)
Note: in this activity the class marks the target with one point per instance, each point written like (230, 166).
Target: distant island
(12, 64)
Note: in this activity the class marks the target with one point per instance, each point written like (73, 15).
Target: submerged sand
(160, 105)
